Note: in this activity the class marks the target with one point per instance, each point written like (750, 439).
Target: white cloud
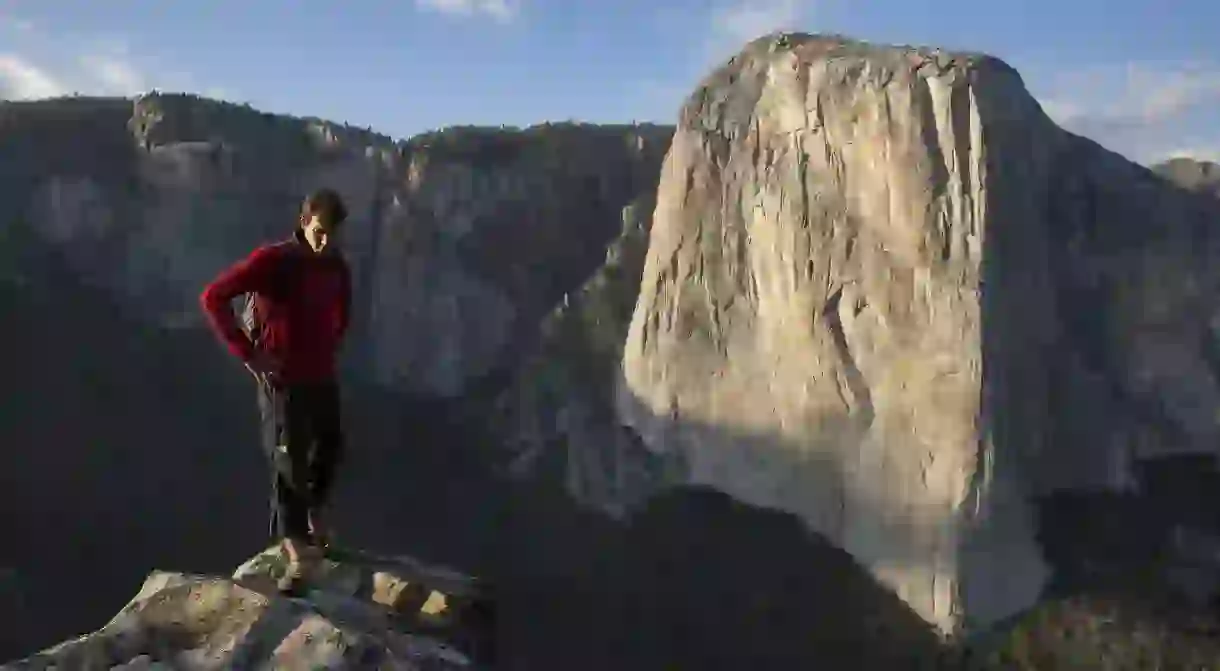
(112, 75)
(25, 77)
(219, 94)
(1181, 92)
(1142, 110)
(22, 80)
(500, 10)
(734, 23)
(1136, 93)
(719, 34)
(42, 64)
(1211, 154)
(12, 22)
(745, 20)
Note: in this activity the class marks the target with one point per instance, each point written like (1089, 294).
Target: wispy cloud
(113, 72)
(23, 77)
(22, 25)
(503, 11)
(735, 23)
(1134, 94)
(1142, 110)
(22, 80)
(42, 64)
(744, 20)
(718, 35)
(1198, 153)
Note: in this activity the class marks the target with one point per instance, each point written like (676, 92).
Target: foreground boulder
(358, 612)
(884, 291)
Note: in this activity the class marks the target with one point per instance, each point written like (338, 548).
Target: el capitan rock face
(885, 292)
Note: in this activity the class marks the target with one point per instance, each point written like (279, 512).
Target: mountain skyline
(407, 68)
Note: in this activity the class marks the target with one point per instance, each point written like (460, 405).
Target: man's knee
(277, 423)
(291, 466)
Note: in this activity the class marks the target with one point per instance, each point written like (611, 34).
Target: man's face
(317, 234)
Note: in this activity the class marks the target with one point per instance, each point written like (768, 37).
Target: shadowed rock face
(556, 421)
(885, 292)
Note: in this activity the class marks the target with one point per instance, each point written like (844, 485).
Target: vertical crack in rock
(862, 400)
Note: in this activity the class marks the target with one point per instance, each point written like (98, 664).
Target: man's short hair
(327, 205)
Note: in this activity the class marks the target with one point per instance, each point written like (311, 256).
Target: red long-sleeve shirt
(304, 303)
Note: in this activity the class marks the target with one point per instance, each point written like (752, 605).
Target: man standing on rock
(298, 297)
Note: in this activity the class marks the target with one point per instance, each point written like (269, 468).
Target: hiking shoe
(292, 583)
(319, 530)
(299, 557)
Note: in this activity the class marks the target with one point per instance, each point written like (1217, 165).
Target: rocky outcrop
(1200, 176)
(885, 292)
(1129, 631)
(356, 614)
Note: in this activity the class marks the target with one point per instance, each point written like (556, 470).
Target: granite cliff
(885, 292)
(474, 233)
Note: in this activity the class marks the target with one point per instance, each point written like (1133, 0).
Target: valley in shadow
(129, 449)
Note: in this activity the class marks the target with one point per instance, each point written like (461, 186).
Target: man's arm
(248, 275)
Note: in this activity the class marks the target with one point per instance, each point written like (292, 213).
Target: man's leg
(326, 456)
(270, 412)
(286, 442)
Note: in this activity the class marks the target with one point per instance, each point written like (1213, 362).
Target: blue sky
(1141, 77)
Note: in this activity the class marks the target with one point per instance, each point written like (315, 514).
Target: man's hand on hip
(262, 366)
